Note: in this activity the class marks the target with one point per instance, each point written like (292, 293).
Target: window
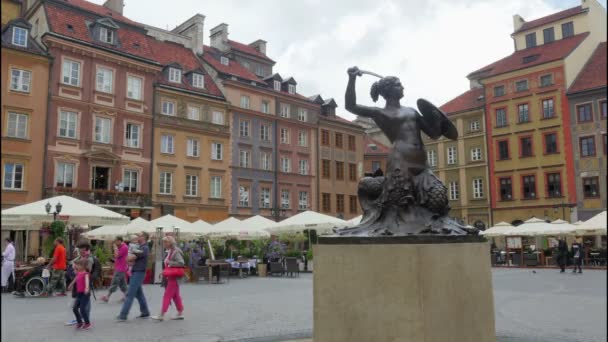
(477, 188)
(17, 125)
(499, 91)
(166, 183)
(216, 187)
(525, 145)
(265, 198)
(501, 117)
(266, 161)
(523, 113)
(551, 143)
(243, 196)
(503, 150)
(584, 112)
(353, 204)
(67, 124)
(285, 165)
(244, 128)
(339, 140)
(134, 87)
(132, 133)
(224, 60)
(217, 118)
(20, 80)
(175, 75)
(285, 199)
(168, 108)
(217, 152)
(324, 137)
(284, 135)
(265, 132)
(285, 108)
(198, 81)
(529, 187)
(474, 125)
(476, 154)
(567, 29)
(352, 146)
(325, 168)
(454, 193)
(36, 28)
(339, 203)
(259, 70)
(591, 187)
(64, 175)
(194, 113)
(104, 80)
(71, 72)
(277, 85)
(245, 101)
(548, 35)
(302, 139)
(191, 185)
(244, 158)
(192, 149)
(326, 202)
(352, 172)
(587, 146)
(129, 180)
(604, 109)
(303, 200)
(302, 114)
(506, 189)
(19, 36)
(452, 155)
(303, 164)
(102, 130)
(521, 85)
(166, 144)
(554, 185)
(375, 165)
(291, 89)
(530, 40)
(265, 107)
(339, 170)
(546, 80)
(431, 156)
(548, 108)
(106, 35)
(13, 176)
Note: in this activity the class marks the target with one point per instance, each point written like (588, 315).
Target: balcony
(105, 198)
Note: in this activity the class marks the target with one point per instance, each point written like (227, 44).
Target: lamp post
(277, 213)
(48, 208)
(562, 205)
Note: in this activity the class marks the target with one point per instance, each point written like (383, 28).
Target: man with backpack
(93, 267)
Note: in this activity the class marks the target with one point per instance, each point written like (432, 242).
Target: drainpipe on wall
(151, 185)
(275, 191)
(318, 178)
(46, 130)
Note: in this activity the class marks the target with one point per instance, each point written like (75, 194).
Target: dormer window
(20, 36)
(106, 35)
(291, 89)
(277, 85)
(175, 75)
(224, 60)
(198, 81)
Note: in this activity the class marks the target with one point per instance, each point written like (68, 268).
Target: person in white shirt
(8, 262)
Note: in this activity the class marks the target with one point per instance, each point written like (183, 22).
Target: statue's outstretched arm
(350, 100)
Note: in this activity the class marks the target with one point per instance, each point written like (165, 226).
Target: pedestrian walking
(135, 290)
(577, 255)
(174, 270)
(58, 265)
(83, 295)
(562, 258)
(119, 279)
(8, 263)
(83, 251)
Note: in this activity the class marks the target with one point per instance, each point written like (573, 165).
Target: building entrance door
(101, 178)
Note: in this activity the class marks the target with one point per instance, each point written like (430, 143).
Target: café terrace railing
(104, 197)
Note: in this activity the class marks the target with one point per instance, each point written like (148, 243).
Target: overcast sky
(431, 45)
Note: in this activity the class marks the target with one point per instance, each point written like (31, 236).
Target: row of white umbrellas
(537, 227)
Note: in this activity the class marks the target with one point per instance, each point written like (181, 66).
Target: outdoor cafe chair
(292, 267)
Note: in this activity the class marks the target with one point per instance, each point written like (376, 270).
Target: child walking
(83, 295)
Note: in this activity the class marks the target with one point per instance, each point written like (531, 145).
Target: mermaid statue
(406, 198)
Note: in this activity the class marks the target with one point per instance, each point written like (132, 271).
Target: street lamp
(58, 207)
(277, 213)
(563, 205)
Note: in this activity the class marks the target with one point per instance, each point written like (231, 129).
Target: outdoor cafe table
(243, 264)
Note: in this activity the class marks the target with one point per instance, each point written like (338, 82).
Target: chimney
(193, 28)
(115, 5)
(518, 22)
(584, 4)
(260, 46)
(219, 37)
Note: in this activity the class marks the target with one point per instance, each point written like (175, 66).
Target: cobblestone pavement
(541, 307)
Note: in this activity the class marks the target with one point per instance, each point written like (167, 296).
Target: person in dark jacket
(135, 290)
(562, 248)
(577, 254)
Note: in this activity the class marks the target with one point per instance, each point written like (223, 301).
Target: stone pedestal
(385, 289)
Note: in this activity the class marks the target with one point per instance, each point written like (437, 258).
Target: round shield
(432, 115)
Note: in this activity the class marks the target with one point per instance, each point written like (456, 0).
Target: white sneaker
(178, 317)
(158, 318)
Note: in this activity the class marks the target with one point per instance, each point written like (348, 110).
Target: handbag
(174, 272)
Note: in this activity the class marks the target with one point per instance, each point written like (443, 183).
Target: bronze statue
(409, 199)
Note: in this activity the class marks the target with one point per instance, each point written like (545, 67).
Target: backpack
(95, 270)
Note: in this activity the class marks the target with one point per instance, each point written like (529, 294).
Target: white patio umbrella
(308, 220)
(530, 227)
(167, 222)
(225, 229)
(354, 221)
(110, 232)
(201, 226)
(593, 226)
(559, 227)
(255, 227)
(498, 229)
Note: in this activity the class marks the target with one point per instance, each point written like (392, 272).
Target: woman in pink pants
(174, 258)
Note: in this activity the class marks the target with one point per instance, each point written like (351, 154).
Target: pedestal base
(431, 289)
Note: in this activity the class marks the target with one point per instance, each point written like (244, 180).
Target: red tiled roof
(465, 101)
(100, 10)
(212, 56)
(593, 74)
(551, 18)
(248, 50)
(380, 148)
(545, 53)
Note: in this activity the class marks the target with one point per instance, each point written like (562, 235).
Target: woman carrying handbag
(174, 269)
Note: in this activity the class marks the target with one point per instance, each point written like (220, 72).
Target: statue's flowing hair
(382, 87)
